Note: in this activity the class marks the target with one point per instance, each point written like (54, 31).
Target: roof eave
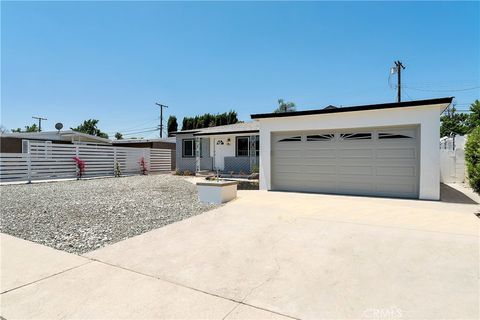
(224, 133)
(415, 103)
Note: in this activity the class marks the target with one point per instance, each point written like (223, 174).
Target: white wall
(452, 160)
(428, 117)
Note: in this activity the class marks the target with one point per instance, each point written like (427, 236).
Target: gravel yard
(80, 216)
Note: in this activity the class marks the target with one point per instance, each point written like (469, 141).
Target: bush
(187, 173)
(472, 157)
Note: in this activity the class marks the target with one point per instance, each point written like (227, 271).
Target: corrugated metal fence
(44, 160)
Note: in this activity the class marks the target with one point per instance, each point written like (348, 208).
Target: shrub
(187, 173)
(472, 157)
(80, 167)
(143, 166)
(178, 172)
(117, 171)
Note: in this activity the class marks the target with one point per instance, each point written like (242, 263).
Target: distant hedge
(472, 157)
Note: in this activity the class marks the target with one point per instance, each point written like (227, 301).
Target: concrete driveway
(277, 255)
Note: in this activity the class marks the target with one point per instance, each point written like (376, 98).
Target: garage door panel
(396, 188)
(394, 171)
(396, 153)
(320, 153)
(355, 153)
(356, 170)
(356, 188)
(348, 162)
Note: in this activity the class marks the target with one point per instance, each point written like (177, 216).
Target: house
(388, 149)
(13, 142)
(226, 148)
(155, 143)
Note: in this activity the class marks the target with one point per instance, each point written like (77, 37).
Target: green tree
(474, 116)
(453, 122)
(118, 136)
(32, 128)
(90, 127)
(472, 158)
(209, 120)
(285, 106)
(172, 125)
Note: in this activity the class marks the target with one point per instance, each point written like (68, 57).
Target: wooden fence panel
(45, 160)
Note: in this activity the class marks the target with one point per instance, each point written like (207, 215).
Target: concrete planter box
(217, 191)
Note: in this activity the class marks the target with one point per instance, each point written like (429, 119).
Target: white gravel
(80, 216)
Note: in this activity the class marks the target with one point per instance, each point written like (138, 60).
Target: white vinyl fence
(452, 159)
(44, 160)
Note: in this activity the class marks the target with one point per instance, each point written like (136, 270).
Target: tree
(474, 116)
(285, 106)
(453, 123)
(32, 128)
(90, 127)
(172, 125)
(209, 120)
(118, 136)
(472, 158)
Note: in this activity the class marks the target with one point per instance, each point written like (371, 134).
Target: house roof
(64, 135)
(241, 127)
(167, 140)
(414, 103)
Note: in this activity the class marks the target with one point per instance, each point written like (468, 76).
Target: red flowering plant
(80, 167)
(143, 166)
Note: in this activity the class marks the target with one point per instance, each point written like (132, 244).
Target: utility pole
(161, 117)
(398, 68)
(39, 122)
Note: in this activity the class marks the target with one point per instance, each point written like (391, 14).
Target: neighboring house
(386, 149)
(13, 142)
(156, 143)
(226, 148)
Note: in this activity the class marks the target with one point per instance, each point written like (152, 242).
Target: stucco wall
(427, 117)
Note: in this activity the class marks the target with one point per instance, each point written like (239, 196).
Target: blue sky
(113, 60)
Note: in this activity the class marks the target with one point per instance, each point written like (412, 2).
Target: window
(356, 136)
(188, 150)
(242, 146)
(384, 135)
(257, 147)
(289, 139)
(321, 137)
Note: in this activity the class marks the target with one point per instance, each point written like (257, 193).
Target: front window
(257, 147)
(188, 150)
(242, 146)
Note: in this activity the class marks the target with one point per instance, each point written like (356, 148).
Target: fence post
(77, 154)
(114, 159)
(29, 162)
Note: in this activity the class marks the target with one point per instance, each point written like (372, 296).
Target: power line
(132, 133)
(442, 90)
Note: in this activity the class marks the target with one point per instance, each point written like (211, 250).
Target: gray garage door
(378, 161)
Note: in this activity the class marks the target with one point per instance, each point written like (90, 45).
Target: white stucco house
(388, 149)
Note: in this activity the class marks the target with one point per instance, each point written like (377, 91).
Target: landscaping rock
(80, 216)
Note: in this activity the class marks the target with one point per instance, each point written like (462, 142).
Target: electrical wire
(442, 90)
